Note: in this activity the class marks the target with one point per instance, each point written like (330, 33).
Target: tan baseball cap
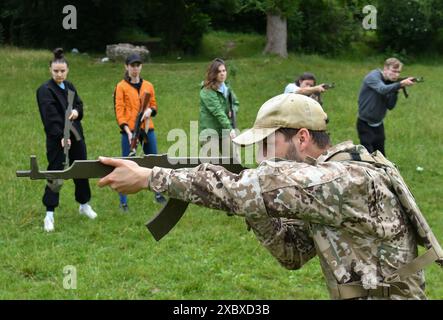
(288, 110)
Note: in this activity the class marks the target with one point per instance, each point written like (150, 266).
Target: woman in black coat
(52, 99)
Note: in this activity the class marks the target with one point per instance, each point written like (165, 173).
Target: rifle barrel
(88, 169)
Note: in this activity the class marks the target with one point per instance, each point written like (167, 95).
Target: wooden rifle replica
(232, 109)
(144, 103)
(69, 128)
(173, 210)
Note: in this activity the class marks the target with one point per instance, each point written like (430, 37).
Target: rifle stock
(169, 215)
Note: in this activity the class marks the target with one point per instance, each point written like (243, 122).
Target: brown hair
(59, 57)
(212, 72)
(305, 76)
(393, 62)
(320, 138)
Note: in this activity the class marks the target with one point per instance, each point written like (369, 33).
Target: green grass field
(208, 255)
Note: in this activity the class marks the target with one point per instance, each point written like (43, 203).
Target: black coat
(52, 104)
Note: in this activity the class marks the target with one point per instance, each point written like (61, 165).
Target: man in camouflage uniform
(323, 203)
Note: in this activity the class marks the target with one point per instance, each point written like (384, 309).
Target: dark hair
(58, 57)
(320, 138)
(305, 76)
(212, 72)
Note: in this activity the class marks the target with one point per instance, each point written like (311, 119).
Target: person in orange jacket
(127, 105)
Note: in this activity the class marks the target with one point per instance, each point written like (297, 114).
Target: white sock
(84, 205)
(50, 214)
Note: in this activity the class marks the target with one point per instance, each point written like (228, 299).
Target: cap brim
(253, 135)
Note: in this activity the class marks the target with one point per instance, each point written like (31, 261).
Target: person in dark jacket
(378, 94)
(52, 103)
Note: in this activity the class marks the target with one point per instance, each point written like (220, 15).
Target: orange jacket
(127, 103)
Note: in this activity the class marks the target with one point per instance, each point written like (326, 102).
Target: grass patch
(229, 45)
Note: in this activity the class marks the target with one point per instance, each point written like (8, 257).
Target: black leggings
(55, 155)
(372, 138)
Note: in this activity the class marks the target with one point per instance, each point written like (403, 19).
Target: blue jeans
(148, 148)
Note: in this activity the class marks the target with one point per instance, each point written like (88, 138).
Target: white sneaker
(85, 209)
(49, 224)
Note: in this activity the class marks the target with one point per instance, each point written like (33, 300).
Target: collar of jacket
(133, 84)
(346, 146)
(60, 94)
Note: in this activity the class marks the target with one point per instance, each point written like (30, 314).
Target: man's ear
(303, 138)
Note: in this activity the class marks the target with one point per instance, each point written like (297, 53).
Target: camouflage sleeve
(287, 240)
(212, 186)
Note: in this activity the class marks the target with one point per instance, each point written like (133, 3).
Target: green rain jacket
(214, 110)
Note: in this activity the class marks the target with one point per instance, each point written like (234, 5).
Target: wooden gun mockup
(144, 103)
(173, 210)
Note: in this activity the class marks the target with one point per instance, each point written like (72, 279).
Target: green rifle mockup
(173, 210)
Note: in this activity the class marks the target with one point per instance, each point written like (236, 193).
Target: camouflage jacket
(345, 212)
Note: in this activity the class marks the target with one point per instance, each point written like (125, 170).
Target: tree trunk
(276, 35)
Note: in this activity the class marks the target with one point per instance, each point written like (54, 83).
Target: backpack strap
(351, 156)
(433, 254)
(353, 290)
(393, 283)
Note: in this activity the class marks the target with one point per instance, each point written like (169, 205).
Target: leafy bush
(321, 26)
(408, 26)
(196, 23)
(1, 34)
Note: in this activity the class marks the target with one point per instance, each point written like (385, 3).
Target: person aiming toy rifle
(378, 94)
(308, 198)
(306, 85)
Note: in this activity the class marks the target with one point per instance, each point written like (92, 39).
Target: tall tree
(277, 12)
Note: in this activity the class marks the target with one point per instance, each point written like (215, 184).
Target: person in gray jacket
(378, 93)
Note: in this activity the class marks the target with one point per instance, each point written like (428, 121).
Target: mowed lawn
(208, 255)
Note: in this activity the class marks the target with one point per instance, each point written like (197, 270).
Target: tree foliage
(409, 26)
(323, 26)
(319, 26)
(278, 7)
